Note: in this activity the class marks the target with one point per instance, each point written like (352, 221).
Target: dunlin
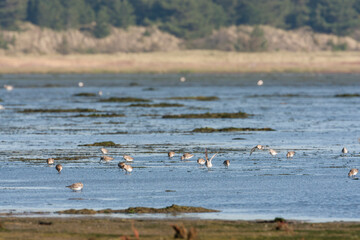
(201, 161)
(76, 186)
(106, 158)
(208, 163)
(128, 158)
(290, 154)
(121, 165)
(186, 156)
(353, 172)
(260, 147)
(104, 150)
(226, 163)
(58, 167)
(50, 161)
(344, 150)
(272, 152)
(171, 154)
(128, 168)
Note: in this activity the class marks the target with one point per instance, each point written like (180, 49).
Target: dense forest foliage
(186, 19)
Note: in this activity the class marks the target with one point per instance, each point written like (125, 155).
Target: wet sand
(115, 228)
(199, 61)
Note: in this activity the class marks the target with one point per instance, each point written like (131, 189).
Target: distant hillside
(35, 40)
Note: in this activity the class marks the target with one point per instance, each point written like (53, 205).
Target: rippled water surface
(302, 108)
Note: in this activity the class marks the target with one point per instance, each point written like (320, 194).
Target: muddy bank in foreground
(108, 228)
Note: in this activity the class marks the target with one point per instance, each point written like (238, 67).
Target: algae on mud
(210, 115)
(229, 129)
(132, 210)
(85, 95)
(102, 144)
(347, 95)
(75, 110)
(101, 115)
(126, 99)
(198, 98)
(157, 105)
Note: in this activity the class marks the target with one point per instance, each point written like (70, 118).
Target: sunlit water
(302, 108)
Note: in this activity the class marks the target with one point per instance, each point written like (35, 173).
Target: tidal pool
(307, 111)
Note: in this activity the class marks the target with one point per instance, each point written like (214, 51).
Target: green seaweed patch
(102, 144)
(347, 95)
(210, 115)
(230, 129)
(198, 98)
(85, 95)
(1, 100)
(140, 210)
(157, 105)
(98, 115)
(75, 110)
(289, 95)
(114, 133)
(128, 99)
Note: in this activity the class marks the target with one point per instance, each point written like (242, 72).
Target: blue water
(301, 108)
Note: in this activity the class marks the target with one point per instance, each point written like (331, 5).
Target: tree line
(186, 19)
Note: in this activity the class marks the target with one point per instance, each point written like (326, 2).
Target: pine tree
(11, 12)
(102, 28)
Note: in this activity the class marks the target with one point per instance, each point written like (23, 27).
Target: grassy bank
(184, 62)
(108, 228)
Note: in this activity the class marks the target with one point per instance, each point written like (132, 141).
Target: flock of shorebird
(207, 162)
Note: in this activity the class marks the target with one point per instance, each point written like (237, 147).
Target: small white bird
(128, 158)
(76, 186)
(353, 172)
(272, 152)
(8, 87)
(344, 150)
(290, 154)
(260, 147)
(50, 161)
(2, 107)
(260, 82)
(104, 150)
(81, 84)
(182, 79)
(100, 93)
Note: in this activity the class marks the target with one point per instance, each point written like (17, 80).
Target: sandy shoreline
(115, 228)
(195, 61)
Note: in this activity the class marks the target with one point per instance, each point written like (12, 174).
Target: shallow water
(302, 108)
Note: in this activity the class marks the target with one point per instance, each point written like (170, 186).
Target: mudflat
(116, 228)
(196, 61)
